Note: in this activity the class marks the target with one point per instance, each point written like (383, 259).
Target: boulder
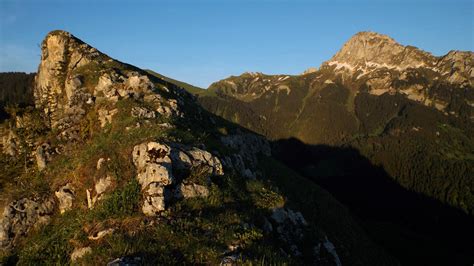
(330, 249)
(202, 158)
(154, 163)
(137, 86)
(169, 108)
(103, 184)
(185, 157)
(151, 152)
(20, 216)
(154, 172)
(100, 234)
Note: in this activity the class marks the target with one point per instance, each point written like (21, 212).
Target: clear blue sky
(203, 41)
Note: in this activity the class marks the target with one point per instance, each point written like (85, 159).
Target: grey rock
(103, 184)
(155, 163)
(65, 196)
(142, 112)
(20, 216)
(105, 116)
(154, 200)
(248, 147)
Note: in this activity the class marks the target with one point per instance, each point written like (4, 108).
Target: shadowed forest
(411, 226)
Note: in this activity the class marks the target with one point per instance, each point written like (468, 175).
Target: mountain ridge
(117, 165)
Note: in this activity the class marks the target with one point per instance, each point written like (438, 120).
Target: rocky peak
(458, 66)
(61, 55)
(371, 49)
(73, 76)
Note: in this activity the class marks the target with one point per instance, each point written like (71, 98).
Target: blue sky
(203, 41)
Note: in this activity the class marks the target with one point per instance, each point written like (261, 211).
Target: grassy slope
(190, 88)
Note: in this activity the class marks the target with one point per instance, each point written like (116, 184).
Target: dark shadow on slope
(414, 228)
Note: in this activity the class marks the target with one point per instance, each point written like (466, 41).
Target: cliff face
(381, 65)
(61, 56)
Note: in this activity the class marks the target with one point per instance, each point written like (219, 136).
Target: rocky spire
(62, 55)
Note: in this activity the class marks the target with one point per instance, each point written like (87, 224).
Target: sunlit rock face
(56, 89)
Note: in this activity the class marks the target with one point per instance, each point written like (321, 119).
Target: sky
(201, 42)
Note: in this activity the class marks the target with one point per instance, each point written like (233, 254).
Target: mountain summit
(369, 50)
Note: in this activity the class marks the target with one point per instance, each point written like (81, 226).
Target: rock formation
(20, 216)
(155, 163)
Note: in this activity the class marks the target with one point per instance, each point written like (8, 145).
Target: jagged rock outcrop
(186, 157)
(155, 163)
(57, 89)
(73, 76)
(20, 216)
(105, 116)
(142, 112)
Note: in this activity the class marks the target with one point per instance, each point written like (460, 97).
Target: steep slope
(402, 108)
(118, 165)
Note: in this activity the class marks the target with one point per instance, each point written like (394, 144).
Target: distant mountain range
(391, 102)
(409, 112)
